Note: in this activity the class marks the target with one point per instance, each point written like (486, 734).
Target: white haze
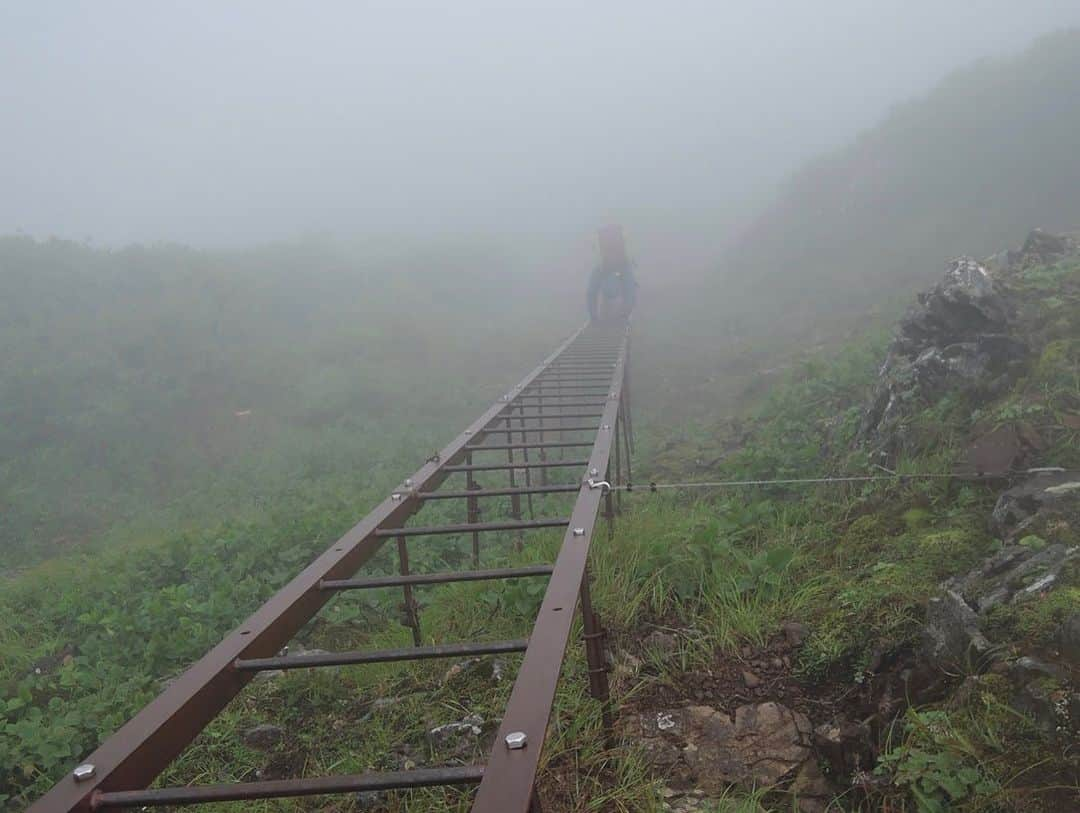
(220, 123)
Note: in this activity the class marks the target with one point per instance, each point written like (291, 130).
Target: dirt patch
(753, 675)
(850, 717)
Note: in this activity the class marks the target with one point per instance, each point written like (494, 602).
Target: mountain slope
(987, 155)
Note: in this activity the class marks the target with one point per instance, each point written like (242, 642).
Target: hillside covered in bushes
(980, 160)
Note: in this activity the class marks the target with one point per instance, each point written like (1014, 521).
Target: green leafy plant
(935, 764)
(762, 572)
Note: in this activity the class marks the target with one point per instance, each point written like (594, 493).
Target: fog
(226, 124)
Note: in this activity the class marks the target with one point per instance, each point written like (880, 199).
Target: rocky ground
(1004, 631)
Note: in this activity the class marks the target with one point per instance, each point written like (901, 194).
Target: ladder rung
(552, 388)
(502, 430)
(412, 653)
(550, 416)
(561, 444)
(575, 381)
(468, 527)
(281, 788)
(556, 464)
(554, 402)
(591, 380)
(437, 578)
(497, 492)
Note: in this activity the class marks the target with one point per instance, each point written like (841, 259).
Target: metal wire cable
(866, 478)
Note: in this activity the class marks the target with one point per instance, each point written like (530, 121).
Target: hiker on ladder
(612, 287)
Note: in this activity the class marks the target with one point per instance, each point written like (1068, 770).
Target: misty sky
(230, 122)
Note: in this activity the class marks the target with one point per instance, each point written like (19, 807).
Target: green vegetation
(857, 563)
(160, 509)
(88, 636)
(937, 764)
(977, 754)
(151, 389)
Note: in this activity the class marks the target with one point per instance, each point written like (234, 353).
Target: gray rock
(751, 680)
(964, 304)
(660, 641)
(1027, 669)
(794, 632)
(847, 746)
(1041, 248)
(661, 755)
(1046, 703)
(457, 740)
(1068, 637)
(1013, 574)
(812, 790)
(951, 634)
(1054, 495)
(956, 339)
(761, 746)
(263, 737)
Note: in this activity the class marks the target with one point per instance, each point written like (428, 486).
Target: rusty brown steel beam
(510, 776)
(550, 383)
(520, 465)
(472, 509)
(599, 366)
(134, 756)
(590, 428)
(469, 527)
(413, 653)
(549, 416)
(592, 375)
(555, 390)
(409, 606)
(549, 392)
(557, 444)
(580, 382)
(283, 788)
(553, 402)
(477, 493)
(439, 578)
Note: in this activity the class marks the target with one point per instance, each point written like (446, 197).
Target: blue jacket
(611, 282)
